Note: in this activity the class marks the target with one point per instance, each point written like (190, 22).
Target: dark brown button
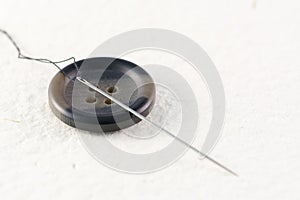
(79, 106)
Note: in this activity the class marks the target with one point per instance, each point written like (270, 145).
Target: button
(78, 106)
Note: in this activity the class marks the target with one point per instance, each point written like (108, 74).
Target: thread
(42, 60)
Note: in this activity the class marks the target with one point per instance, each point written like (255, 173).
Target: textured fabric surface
(255, 46)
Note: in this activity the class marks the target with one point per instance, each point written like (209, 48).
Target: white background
(255, 46)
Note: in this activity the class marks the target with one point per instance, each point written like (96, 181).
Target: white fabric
(255, 46)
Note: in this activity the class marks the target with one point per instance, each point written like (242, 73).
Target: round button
(77, 105)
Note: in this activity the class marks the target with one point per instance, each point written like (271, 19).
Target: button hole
(90, 99)
(108, 102)
(111, 89)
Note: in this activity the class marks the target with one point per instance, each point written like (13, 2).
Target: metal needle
(44, 60)
(90, 85)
